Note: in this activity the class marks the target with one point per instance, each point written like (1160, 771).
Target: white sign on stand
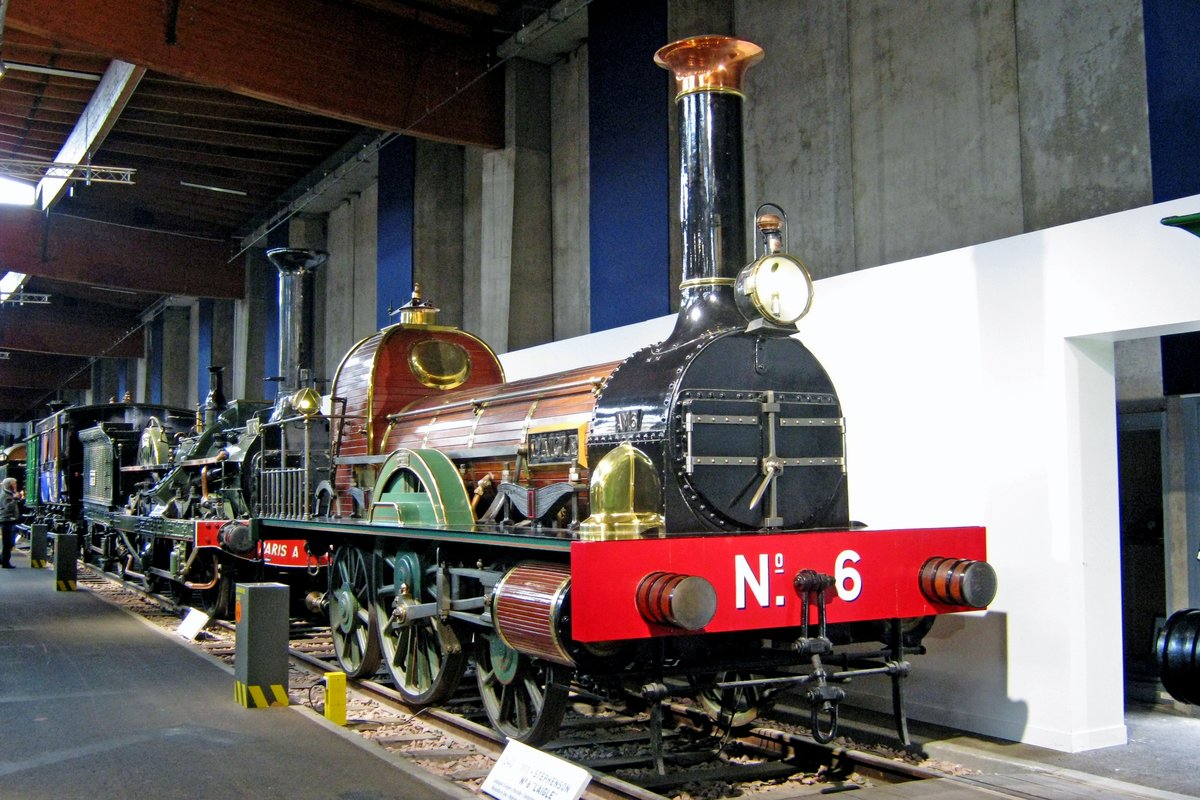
(523, 773)
(193, 623)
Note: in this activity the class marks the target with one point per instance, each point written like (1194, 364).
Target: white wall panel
(978, 387)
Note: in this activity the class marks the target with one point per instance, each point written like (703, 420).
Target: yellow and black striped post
(261, 664)
(66, 554)
(37, 547)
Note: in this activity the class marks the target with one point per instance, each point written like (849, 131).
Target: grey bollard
(261, 664)
(37, 546)
(66, 553)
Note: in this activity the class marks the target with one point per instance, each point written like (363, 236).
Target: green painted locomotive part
(525, 699)
(355, 642)
(1188, 222)
(553, 539)
(31, 472)
(421, 487)
(423, 655)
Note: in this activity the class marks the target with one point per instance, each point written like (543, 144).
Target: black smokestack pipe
(296, 268)
(708, 74)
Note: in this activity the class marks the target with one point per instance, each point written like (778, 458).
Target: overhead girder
(336, 60)
(83, 251)
(76, 331)
(41, 371)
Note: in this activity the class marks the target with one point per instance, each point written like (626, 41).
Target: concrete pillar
(350, 280)
(472, 231)
(178, 382)
(222, 340)
(516, 262)
(1085, 131)
(438, 209)
(935, 140)
(250, 320)
(104, 380)
(569, 153)
(497, 195)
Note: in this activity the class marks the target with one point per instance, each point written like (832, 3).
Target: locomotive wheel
(734, 707)
(1178, 650)
(353, 626)
(217, 601)
(424, 656)
(525, 700)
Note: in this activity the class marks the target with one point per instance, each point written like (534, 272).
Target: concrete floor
(95, 703)
(1161, 753)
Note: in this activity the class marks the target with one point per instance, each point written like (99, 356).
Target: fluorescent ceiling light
(16, 193)
(206, 187)
(10, 283)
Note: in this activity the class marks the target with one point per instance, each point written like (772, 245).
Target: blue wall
(1173, 90)
(123, 378)
(204, 348)
(394, 276)
(1173, 93)
(154, 361)
(628, 107)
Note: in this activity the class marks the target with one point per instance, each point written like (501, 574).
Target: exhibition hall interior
(841, 355)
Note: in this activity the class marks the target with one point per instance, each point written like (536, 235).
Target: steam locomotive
(675, 524)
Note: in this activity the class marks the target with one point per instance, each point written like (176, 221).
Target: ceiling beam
(83, 251)
(42, 371)
(334, 59)
(76, 331)
(107, 103)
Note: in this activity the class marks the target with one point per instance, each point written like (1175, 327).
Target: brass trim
(451, 329)
(625, 494)
(528, 421)
(426, 376)
(479, 411)
(693, 283)
(539, 392)
(580, 429)
(709, 90)
(749, 278)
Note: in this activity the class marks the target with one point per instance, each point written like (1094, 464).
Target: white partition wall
(978, 388)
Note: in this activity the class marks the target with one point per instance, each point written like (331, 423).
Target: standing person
(10, 513)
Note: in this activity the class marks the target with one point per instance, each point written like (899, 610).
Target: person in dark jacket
(10, 514)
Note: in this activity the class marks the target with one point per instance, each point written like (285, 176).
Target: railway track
(614, 744)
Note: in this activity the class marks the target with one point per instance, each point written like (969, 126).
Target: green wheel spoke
(423, 672)
(529, 703)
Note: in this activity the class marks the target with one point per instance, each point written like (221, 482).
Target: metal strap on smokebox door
(770, 412)
(822, 697)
